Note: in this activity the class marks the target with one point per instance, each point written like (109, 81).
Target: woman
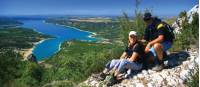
(130, 59)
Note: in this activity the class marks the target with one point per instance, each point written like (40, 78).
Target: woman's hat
(132, 33)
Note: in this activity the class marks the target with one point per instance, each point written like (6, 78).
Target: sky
(92, 7)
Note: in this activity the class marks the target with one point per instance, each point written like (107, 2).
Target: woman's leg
(110, 65)
(125, 65)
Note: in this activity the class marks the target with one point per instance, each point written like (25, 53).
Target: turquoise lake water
(49, 47)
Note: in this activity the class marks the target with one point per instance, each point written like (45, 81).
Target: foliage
(193, 81)
(125, 27)
(8, 65)
(127, 24)
(189, 35)
(183, 14)
(19, 38)
(17, 73)
(171, 20)
(78, 60)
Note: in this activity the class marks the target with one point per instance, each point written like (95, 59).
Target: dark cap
(147, 16)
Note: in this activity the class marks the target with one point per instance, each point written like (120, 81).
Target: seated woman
(132, 58)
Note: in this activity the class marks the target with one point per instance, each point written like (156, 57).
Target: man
(159, 37)
(130, 59)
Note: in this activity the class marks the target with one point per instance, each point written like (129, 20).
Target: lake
(49, 47)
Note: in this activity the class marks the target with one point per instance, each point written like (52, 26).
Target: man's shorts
(166, 45)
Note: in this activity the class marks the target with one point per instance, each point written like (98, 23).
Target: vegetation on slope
(19, 38)
(78, 60)
(15, 72)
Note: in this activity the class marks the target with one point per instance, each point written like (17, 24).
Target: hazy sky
(91, 7)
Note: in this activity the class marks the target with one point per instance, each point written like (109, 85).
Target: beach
(26, 52)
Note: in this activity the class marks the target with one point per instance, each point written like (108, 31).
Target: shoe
(99, 77)
(111, 80)
(102, 76)
(158, 67)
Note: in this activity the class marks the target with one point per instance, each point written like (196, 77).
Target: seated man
(159, 36)
(130, 59)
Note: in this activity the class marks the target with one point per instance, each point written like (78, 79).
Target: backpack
(170, 29)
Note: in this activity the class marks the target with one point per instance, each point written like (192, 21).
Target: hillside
(176, 74)
(14, 42)
(181, 69)
(74, 64)
(76, 61)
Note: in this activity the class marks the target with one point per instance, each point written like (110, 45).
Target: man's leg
(159, 52)
(149, 60)
(159, 49)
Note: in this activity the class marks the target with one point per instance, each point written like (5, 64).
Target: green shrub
(194, 80)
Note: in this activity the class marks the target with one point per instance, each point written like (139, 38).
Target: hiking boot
(111, 80)
(102, 76)
(158, 67)
(99, 77)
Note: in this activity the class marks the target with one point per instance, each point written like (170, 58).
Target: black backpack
(170, 29)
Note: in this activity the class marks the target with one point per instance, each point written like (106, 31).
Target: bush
(194, 80)
(189, 35)
(78, 60)
(9, 61)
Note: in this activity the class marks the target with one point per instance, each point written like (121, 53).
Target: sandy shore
(26, 52)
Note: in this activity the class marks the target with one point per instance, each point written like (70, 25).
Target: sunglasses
(132, 36)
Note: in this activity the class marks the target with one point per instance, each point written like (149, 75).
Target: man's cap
(132, 33)
(147, 16)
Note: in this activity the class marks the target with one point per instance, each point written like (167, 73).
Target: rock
(184, 74)
(135, 77)
(191, 66)
(172, 77)
(150, 85)
(180, 81)
(32, 58)
(158, 78)
(144, 72)
(197, 60)
(139, 85)
(141, 76)
(179, 22)
(151, 71)
(165, 74)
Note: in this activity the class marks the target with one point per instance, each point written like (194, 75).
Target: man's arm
(157, 40)
(160, 37)
(150, 44)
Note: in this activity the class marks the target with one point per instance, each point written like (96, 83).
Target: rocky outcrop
(179, 22)
(180, 66)
(32, 58)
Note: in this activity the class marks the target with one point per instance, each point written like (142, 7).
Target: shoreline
(26, 52)
(93, 34)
